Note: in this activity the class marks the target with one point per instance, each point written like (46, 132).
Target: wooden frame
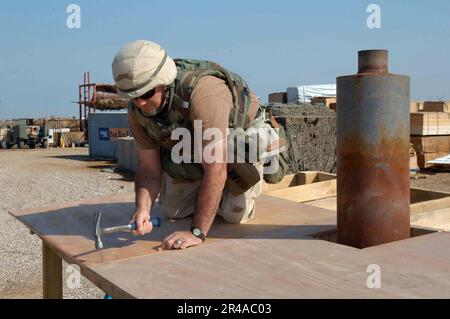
(428, 208)
(303, 187)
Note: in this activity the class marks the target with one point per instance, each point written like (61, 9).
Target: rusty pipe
(373, 61)
(373, 191)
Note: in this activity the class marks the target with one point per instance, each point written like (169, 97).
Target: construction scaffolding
(95, 97)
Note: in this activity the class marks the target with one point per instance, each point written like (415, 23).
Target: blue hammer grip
(156, 222)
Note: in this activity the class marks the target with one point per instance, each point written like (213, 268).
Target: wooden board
(274, 256)
(51, 273)
(302, 268)
(428, 265)
(243, 268)
(302, 194)
(416, 106)
(432, 213)
(69, 227)
(68, 230)
(323, 194)
(437, 219)
(329, 203)
(431, 144)
(303, 187)
(421, 195)
(430, 123)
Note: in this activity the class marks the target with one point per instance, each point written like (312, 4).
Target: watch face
(197, 232)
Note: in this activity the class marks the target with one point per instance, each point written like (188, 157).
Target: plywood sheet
(274, 256)
(69, 228)
(282, 268)
(257, 268)
(329, 203)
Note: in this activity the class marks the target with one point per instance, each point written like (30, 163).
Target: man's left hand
(180, 240)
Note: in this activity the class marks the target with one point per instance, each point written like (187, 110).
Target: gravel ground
(37, 178)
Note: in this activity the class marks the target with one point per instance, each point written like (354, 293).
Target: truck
(26, 134)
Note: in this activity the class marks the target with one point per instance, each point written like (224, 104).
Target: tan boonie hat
(141, 66)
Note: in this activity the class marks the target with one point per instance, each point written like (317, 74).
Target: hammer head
(98, 231)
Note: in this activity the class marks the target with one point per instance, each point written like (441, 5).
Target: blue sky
(272, 44)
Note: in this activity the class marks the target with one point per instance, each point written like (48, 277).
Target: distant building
(280, 97)
(304, 94)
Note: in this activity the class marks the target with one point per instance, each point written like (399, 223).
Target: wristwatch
(197, 232)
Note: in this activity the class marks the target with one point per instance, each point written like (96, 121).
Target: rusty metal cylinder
(373, 133)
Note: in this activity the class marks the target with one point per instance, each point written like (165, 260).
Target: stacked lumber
(436, 106)
(430, 123)
(430, 130)
(415, 106)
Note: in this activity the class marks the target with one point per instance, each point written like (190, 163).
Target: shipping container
(104, 130)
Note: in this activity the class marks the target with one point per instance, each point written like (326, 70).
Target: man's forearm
(209, 197)
(147, 187)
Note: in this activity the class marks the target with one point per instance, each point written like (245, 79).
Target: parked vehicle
(26, 134)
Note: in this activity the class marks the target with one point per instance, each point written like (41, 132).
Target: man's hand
(144, 225)
(180, 240)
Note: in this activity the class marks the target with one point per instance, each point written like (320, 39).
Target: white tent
(303, 94)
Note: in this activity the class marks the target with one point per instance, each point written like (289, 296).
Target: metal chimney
(373, 136)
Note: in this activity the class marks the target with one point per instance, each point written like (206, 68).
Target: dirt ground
(434, 180)
(38, 178)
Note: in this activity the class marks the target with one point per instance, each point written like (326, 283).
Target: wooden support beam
(307, 192)
(52, 273)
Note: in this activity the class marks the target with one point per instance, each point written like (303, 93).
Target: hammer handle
(156, 222)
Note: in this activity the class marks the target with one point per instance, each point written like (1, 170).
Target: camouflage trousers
(179, 200)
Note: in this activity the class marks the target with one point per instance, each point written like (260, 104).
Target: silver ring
(178, 243)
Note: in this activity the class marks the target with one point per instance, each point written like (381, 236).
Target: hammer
(98, 231)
